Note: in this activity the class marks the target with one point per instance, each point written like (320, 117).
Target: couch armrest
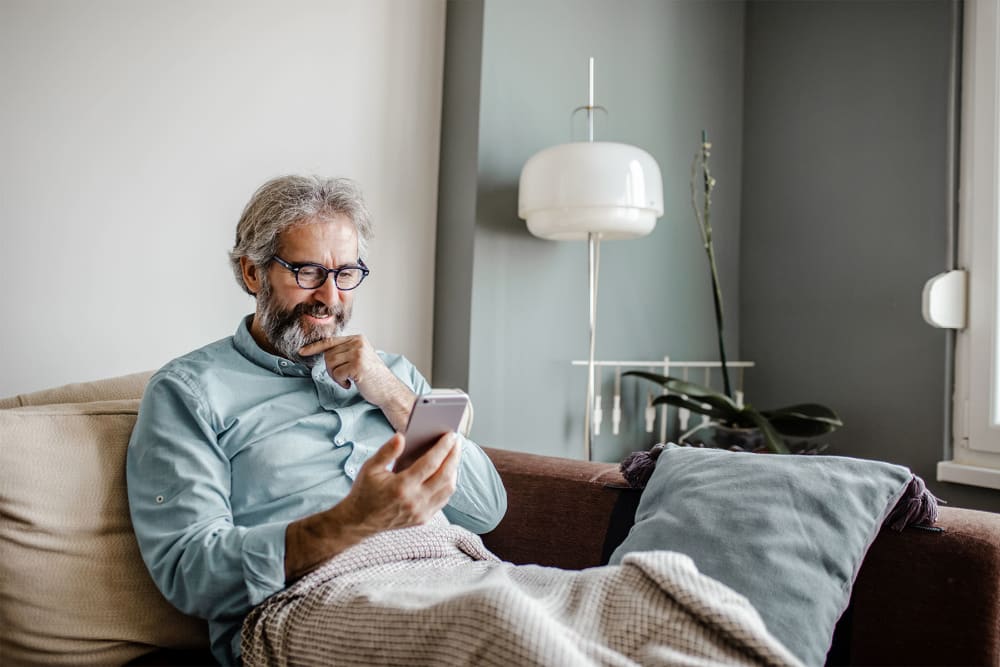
(929, 598)
(558, 510)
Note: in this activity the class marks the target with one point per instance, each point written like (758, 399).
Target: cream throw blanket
(434, 595)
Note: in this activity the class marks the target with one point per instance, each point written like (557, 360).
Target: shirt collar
(249, 348)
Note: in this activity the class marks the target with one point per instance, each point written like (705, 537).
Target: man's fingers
(343, 357)
(444, 480)
(447, 472)
(324, 345)
(342, 372)
(433, 458)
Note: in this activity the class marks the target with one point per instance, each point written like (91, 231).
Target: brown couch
(74, 591)
(921, 598)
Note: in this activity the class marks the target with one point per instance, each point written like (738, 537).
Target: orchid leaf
(699, 408)
(691, 390)
(806, 420)
(811, 411)
(801, 428)
(773, 439)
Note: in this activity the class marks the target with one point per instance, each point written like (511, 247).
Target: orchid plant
(796, 422)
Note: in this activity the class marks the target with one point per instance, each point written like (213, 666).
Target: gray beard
(284, 328)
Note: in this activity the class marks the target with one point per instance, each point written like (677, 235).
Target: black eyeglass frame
(295, 268)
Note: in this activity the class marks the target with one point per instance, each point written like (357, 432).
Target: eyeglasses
(312, 276)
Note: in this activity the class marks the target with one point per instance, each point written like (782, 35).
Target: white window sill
(949, 471)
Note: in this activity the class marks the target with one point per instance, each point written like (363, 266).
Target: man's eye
(310, 273)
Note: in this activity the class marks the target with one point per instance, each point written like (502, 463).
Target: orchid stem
(703, 216)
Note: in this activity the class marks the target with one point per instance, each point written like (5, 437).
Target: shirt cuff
(263, 555)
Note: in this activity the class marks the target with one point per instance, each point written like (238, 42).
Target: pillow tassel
(637, 467)
(917, 507)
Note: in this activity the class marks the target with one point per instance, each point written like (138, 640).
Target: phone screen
(432, 416)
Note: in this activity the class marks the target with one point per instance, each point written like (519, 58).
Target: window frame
(976, 425)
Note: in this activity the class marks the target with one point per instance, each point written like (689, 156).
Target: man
(258, 457)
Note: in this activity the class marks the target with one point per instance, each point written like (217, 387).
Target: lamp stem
(594, 266)
(590, 105)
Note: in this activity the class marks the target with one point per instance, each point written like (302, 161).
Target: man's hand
(382, 500)
(353, 359)
(379, 500)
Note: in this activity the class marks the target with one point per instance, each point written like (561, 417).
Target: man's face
(289, 317)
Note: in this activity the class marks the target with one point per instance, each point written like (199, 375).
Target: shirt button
(159, 499)
(351, 470)
(338, 441)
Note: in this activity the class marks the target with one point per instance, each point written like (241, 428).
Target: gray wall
(664, 70)
(829, 121)
(844, 210)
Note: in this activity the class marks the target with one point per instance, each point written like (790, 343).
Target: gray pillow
(788, 532)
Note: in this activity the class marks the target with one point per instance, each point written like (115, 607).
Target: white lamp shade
(569, 191)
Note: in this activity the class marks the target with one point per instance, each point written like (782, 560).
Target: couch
(73, 589)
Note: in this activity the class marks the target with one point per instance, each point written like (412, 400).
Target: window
(976, 424)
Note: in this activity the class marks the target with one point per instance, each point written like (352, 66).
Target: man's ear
(251, 274)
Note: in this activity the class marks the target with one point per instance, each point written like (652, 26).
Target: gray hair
(289, 201)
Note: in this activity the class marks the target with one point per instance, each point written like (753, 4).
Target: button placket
(355, 460)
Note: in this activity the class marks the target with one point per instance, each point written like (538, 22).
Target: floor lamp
(592, 190)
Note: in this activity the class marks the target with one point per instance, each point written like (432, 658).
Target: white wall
(133, 133)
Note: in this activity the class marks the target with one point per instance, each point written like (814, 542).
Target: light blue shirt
(231, 445)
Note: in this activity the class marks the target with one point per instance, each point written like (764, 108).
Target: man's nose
(328, 292)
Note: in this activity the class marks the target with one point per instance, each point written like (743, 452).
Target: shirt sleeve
(178, 488)
(480, 499)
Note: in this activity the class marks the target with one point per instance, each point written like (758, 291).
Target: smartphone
(434, 414)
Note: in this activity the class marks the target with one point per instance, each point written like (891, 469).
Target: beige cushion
(73, 587)
(109, 389)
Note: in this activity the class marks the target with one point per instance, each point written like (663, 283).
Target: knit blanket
(434, 595)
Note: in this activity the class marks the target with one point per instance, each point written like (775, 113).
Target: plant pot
(721, 436)
(749, 439)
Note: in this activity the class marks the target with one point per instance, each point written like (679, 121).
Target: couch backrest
(109, 389)
(73, 587)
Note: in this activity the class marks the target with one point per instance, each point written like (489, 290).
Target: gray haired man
(259, 456)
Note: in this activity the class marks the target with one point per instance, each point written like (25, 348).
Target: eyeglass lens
(311, 277)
